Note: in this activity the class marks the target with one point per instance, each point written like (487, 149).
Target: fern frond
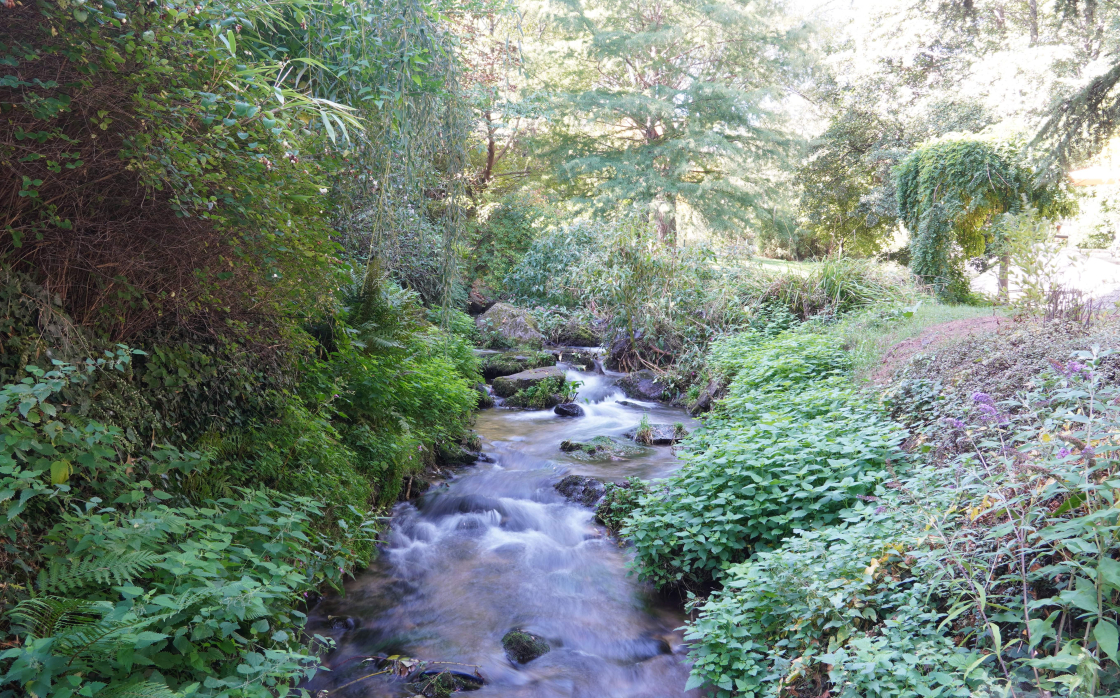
(143, 689)
(49, 615)
(114, 567)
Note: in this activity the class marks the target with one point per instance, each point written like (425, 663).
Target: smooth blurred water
(497, 548)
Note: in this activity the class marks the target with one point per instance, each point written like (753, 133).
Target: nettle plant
(792, 446)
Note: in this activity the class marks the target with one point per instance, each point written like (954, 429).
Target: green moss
(522, 647)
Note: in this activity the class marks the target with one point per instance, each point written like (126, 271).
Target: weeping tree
(950, 193)
(670, 104)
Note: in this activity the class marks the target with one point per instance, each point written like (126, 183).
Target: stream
(495, 547)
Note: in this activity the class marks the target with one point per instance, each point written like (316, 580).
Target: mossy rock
(523, 647)
(513, 325)
(485, 399)
(441, 684)
(577, 335)
(602, 448)
(509, 363)
(508, 386)
(548, 393)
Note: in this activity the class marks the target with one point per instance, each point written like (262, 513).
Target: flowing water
(497, 548)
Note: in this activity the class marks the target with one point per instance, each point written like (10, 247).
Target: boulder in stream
(602, 448)
(507, 386)
(581, 489)
(660, 434)
(523, 647)
(568, 409)
(511, 362)
(511, 324)
(642, 385)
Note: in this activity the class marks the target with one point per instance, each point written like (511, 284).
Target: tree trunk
(1032, 6)
(491, 150)
(666, 220)
(1004, 270)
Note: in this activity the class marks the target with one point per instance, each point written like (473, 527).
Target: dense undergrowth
(204, 412)
(660, 307)
(957, 537)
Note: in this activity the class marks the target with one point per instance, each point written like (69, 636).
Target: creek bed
(497, 548)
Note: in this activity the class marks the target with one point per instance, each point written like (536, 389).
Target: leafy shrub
(791, 447)
(823, 598)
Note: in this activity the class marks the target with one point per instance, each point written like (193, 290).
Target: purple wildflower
(880, 509)
(989, 414)
(1063, 452)
(1088, 452)
(982, 398)
(954, 423)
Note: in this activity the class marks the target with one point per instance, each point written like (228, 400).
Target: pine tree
(673, 104)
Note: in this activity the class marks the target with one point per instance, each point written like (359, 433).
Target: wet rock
(507, 386)
(659, 434)
(454, 454)
(512, 324)
(441, 684)
(715, 389)
(485, 399)
(602, 448)
(581, 490)
(342, 622)
(523, 647)
(642, 385)
(509, 363)
(568, 409)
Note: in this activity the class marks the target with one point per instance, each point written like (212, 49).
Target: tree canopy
(671, 104)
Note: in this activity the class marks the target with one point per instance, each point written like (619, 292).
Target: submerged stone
(523, 647)
(440, 684)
